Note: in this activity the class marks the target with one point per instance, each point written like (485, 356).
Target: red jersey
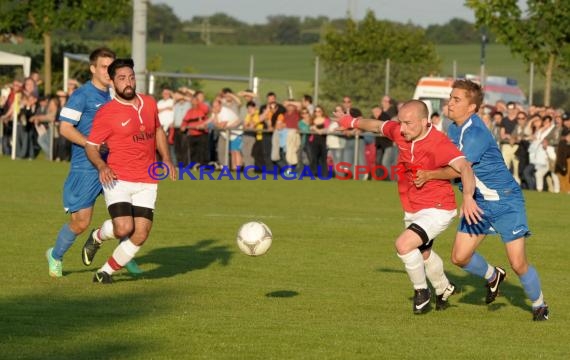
(130, 134)
(195, 117)
(433, 151)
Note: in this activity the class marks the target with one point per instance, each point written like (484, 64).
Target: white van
(435, 90)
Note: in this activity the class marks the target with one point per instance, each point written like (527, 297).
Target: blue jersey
(79, 111)
(492, 176)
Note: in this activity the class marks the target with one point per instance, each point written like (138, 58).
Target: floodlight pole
(483, 43)
(531, 85)
(139, 43)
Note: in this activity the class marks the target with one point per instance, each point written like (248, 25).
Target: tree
(284, 30)
(354, 60)
(38, 19)
(456, 31)
(541, 36)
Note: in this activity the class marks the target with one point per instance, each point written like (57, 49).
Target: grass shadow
(178, 260)
(472, 290)
(282, 294)
(40, 325)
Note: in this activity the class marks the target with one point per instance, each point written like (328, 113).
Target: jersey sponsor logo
(143, 136)
(124, 123)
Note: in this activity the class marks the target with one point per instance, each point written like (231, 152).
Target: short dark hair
(434, 114)
(251, 104)
(119, 63)
(355, 112)
(101, 53)
(473, 90)
(308, 98)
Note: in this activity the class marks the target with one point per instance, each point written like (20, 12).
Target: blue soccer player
(82, 185)
(497, 194)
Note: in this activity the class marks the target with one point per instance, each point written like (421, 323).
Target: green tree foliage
(38, 19)
(541, 35)
(456, 31)
(285, 30)
(354, 60)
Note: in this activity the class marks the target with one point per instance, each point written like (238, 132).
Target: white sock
(414, 264)
(538, 302)
(105, 232)
(435, 274)
(489, 273)
(123, 253)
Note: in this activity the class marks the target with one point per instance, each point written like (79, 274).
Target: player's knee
(459, 260)
(78, 226)
(519, 266)
(122, 229)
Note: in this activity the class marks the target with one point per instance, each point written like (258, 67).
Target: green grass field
(331, 286)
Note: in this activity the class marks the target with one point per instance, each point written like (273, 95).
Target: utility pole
(483, 43)
(139, 43)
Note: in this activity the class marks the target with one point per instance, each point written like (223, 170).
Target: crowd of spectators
(240, 129)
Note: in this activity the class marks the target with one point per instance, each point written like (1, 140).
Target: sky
(419, 12)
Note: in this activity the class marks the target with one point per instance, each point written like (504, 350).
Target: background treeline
(222, 29)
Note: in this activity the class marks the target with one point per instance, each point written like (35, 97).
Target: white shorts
(135, 193)
(433, 221)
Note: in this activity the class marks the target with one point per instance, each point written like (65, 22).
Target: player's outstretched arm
(162, 148)
(348, 122)
(469, 209)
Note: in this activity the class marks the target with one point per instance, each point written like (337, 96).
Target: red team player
(428, 210)
(129, 126)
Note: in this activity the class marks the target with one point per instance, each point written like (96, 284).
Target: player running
(82, 185)
(497, 194)
(429, 209)
(130, 125)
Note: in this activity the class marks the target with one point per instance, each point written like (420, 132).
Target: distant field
(283, 66)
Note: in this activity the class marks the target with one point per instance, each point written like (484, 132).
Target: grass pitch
(331, 286)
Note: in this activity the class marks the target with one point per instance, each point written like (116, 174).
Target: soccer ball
(254, 238)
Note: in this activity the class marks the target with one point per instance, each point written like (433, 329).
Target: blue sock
(477, 265)
(531, 284)
(65, 238)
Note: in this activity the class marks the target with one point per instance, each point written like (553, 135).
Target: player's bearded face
(127, 93)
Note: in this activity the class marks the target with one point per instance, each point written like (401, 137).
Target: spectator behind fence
(196, 127)
(318, 142)
(44, 122)
(176, 137)
(562, 167)
(252, 121)
(304, 129)
(508, 144)
(271, 112)
(26, 135)
(292, 117)
(8, 114)
(336, 143)
(62, 149)
(166, 109)
(248, 138)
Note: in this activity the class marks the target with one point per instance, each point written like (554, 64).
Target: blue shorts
(506, 217)
(81, 189)
(235, 144)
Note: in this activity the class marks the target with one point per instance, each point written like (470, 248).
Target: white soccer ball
(254, 238)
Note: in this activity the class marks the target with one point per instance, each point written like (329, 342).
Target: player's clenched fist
(348, 122)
